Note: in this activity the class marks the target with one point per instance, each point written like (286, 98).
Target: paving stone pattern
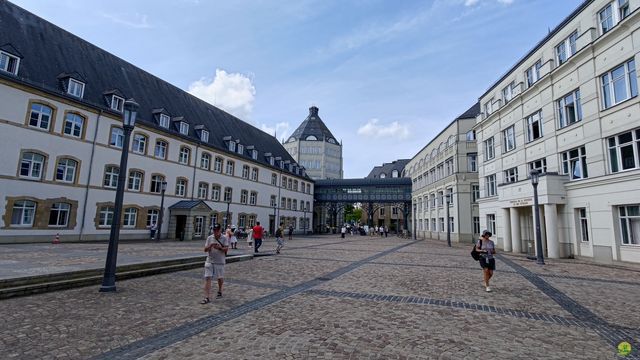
(328, 298)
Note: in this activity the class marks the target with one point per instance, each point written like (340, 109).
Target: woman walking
(487, 249)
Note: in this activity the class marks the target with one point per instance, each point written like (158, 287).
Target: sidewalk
(23, 260)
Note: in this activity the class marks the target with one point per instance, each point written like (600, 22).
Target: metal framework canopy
(385, 190)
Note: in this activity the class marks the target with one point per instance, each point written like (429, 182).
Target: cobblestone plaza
(328, 298)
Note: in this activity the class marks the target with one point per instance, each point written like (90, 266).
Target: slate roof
(387, 168)
(49, 53)
(188, 204)
(313, 125)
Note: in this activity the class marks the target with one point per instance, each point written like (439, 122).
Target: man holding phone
(216, 248)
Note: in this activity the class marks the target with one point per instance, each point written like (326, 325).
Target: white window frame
(34, 165)
(117, 137)
(184, 155)
(9, 63)
(489, 149)
(617, 11)
(475, 192)
(583, 225)
(66, 170)
(205, 161)
(472, 162)
(117, 103)
(240, 149)
(204, 136)
(253, 197)
(111, 174)
(488, 107)
(229, 168)
(215, 192)
(228, 194)
(244, 195)
(217, 164)
(540, 165)
(491, 223)
(511, 175)
(75, 88)
(183, 128)
(532, 74)
(629, 223)
(232, 146)
(26, 213)
(105, 218)
(491, 185)
(164, 120)
(254, 154)
(160, 150)
(60, 211)
(254, 174)
(156, 183)
(532, 122)
(152, 216)
(203, 190)
(507, 92)
(76, 125)
(575, 163)
(608, 84)
(246, 171)
(509, 138)
(471, 135)
(130, 216)
(181, 187)
(139, 145)
(616, 163)
(134, 181)
(569, 109)
(42, 117)
(567, 48)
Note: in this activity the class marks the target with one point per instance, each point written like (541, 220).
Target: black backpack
(475, 254)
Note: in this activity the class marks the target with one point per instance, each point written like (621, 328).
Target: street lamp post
(129, 121)
(226, 214)
(536, 213)
(448, 222)
(304, 220)
(163, 188)
(275, 220)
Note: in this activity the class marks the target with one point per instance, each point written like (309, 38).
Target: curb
(31, 285)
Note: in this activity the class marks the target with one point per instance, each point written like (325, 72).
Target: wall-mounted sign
(522, 202)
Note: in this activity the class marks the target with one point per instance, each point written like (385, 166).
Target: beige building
(569, 109)
(62, 136)
(446, 168)
(315, 148)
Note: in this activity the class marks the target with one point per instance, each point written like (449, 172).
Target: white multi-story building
(446, 168)
(569, 109)
(61, 102)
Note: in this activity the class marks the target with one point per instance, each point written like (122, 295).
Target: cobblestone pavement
(327, 298)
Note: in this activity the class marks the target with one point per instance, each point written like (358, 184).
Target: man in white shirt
(216, 248)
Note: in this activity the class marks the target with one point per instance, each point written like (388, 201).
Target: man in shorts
(280, 238)
(216, 248)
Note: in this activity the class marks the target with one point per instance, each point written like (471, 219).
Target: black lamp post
(275, 220)
(163, 188)
(536, 213)
(304, 220)
(226, 214)
(129, 121)
(448, 222)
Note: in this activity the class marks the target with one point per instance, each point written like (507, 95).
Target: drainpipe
(195, 163)
(86, 191)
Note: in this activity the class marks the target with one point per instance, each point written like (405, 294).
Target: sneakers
(488, 289)
(219, 295)
(205, 301)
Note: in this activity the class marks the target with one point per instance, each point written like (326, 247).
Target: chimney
(313, 111)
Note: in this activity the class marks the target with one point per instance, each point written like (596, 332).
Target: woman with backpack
(487, 249)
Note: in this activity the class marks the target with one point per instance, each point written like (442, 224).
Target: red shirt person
(257, 236)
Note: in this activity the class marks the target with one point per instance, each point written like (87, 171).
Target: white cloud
(506, 2)
(394, 130)
(281, 130)
(232, 92)
(470, 2)
(137, 21)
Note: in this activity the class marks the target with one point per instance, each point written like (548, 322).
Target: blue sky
(386, 75)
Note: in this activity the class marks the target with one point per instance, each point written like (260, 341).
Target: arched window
(23, 213)
(229, 168)
(203, 190)
(181, 187)
(156, 183)
(228, 192)
(117, 137)
(185, 153)
(254, 174)
(134, 182)
(253, 198)
(66, 170)
(383, 175)
(111, 173)
(215, 192)
(161, 149)
(139, 144)
(394, 173)
(205, 161)
(311, 137)
(40, 116)
(73, 125)
(59, 215)
(32, 165)
(130, 216)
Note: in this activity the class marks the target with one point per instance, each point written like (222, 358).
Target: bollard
(56, 239)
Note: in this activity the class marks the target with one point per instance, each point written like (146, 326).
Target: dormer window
(232, 146)
(281, 164)
(272, 161)
(9, 63)
(183, 128)
(117, 103)
(75, 88)
(164, 120)
(240, 149)
(254, 154)
(204, 136)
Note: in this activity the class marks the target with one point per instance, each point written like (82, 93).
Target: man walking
(290, 231)
(257, 236)
(216, 248)
(279, 238)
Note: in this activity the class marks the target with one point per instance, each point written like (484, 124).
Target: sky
(386, 75)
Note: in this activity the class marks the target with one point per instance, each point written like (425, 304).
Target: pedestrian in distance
(386, 231)
(487, 249)
(258, 231)
(290, 232)
(152, 229)
(216, 248)
(343, 231)
(279, 238)
(250, 238)
(231, 235)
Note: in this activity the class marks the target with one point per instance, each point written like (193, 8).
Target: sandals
(205, 301)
